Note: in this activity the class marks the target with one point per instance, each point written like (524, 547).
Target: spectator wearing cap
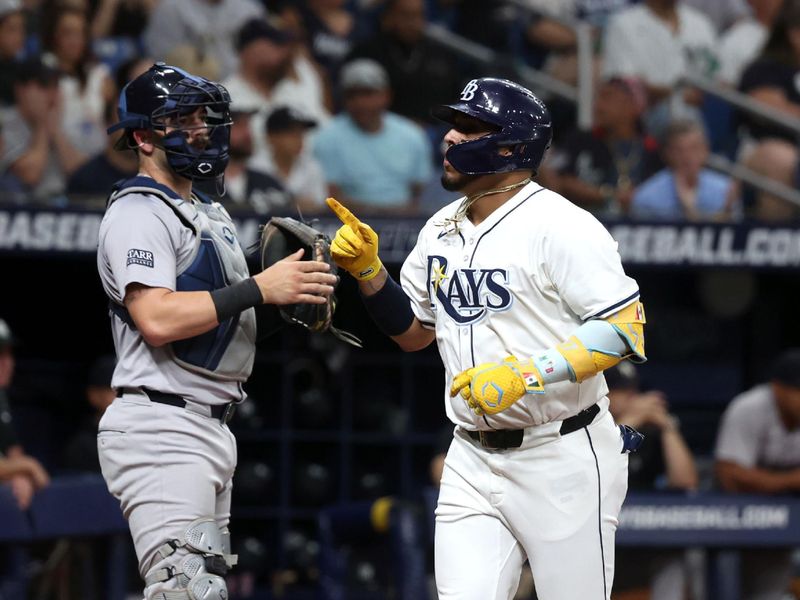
(211, 26)
(375, 161)
(663, 462)
(293, 165)
(12, 42)
(600, 169)
(758, 452)
(686, 190)
(29, 149)
(247, 188)
(23, 473)
(272, 72)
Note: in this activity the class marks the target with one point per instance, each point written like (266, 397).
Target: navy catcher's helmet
(164, 92)
(521, 121)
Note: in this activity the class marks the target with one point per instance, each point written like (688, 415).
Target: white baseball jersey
(521, 281)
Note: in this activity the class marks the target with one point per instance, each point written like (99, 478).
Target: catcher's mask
(283, 236)
(520, 121)
(158, 98)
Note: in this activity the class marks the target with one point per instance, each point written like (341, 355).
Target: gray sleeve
(16, 139)
(140, 243)
(737, 438)
(165, 29)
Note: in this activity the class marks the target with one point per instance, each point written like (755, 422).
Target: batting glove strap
(529, 372)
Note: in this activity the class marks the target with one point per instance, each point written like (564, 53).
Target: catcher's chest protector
(217, 260)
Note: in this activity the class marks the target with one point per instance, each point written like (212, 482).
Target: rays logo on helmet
(469, 91)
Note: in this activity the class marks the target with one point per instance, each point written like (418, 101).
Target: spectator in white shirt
(758, 452)
(209, 25)
(85, 87)
(292, 164)
(661, 41)
(743, 41)
(272, 72)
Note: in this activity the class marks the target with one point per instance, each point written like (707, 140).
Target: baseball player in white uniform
(182, 316)
(527, 300)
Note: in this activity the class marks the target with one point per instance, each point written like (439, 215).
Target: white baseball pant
(554, 500)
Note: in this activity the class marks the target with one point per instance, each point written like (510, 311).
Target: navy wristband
(390, 308)
(233, 299)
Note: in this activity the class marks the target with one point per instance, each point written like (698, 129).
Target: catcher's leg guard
(198, 574)
(194, 581)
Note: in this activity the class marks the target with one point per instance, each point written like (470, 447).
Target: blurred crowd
(332, 97)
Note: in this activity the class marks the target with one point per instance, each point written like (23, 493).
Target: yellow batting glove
(355, 245)
(534, 382)
(492, 387)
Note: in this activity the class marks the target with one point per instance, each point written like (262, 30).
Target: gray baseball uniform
(164, 450)
(751, 434)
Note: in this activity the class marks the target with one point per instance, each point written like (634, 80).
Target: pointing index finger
(345, 216)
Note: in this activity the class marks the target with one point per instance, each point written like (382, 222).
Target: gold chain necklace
(463, 208)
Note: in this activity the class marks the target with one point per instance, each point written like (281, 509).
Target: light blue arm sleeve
(596, 335)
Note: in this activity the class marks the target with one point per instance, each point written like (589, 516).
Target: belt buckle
(228, 413)
(484, 440)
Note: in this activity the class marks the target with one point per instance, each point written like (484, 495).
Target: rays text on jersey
(466, 294)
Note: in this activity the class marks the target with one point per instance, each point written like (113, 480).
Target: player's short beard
(457, 181)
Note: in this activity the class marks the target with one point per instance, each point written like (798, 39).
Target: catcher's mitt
(282, 236)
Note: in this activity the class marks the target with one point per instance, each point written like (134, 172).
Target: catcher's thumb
(295, 256)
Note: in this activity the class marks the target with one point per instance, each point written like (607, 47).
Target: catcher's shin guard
(198, 575)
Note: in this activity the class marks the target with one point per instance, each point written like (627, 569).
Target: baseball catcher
(182, 312)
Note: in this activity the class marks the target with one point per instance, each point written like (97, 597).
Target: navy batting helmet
(521, 122)
(156, 97)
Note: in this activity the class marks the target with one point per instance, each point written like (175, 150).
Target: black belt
(512, 438)
(222, 412)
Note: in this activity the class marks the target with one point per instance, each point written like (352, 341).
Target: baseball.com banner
(73, 231)
(710, 519)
